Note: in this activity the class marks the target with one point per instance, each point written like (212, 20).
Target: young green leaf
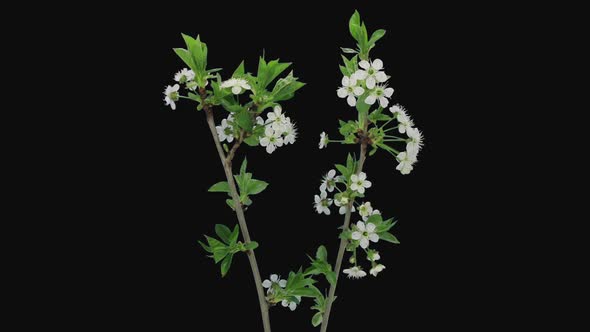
(186, 57)
(239, 71)
(226, 264)
(206, 247)
(243, 166)
(354, 25)
(244, 120)
(378, 34)
(223, 232)
(386, 236)
(256, 187)
(233, 237)
(251, 245)
(348, 50)
(219, 254)
(317, 319)
(322, 253)
(222, 186)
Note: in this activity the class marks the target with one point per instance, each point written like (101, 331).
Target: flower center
(325, 202)
(359, 183)
(371, 71)
(379, 92)
(365, 234)
(272, 139)
(227, 130)
(174, 95)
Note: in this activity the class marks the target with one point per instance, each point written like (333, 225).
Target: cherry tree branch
(227, 167)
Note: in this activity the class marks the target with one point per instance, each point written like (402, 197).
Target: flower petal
(266, 283)
(374, 237)
(345, 81)
(283, 283)
(285, 303)
(362, 176)
(360, 74)
(370, 83)
(358, 91)
(364, 64)
(292, 306)
(381, 77)
(383, 101)
(236, 89)
(342, 92)
(351, 100)
(367, 184)
(364, 243)
(274, 278)
(361, 226)
(388, 92)
(377, 64)
(356, 235)
(370, 100)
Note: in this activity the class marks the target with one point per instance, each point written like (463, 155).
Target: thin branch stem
(227, 167)
(344, 242)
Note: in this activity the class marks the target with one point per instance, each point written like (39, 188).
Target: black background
(169, 283)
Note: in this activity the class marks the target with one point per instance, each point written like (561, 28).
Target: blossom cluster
(369, 78)
(408, 158)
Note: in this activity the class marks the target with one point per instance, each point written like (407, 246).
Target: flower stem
(344, 242)
(227, 167)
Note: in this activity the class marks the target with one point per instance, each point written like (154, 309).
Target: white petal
(274, 278)
(342, 92)
(354, 186)
(370, 227)
(266, 283)
(270, 148)
(362, 176)
(279, 141)
(355, 235)
(323, 187)
(374, 237)
(388, 92)
(326, 211)
(346, 271)
(370, 83)
(351, 100)
(367, 184)
(361, 226)
(246, 86)
(285, 303)
(358, 91)
(292, 306)
(362, 274)
(383, 101)
(236, 89)
(342, 210)
(345, 81)
(331, 174)
(364, 64)
(230, 138)
(360, 74)
(278, 108)
(377, 64)
(364, 243)
(264, 141)
(361, 190)
(354, 178)
(283, 283)
(370, 100)
(381, 77)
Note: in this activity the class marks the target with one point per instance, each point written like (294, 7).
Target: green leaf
(348, 50)
(331, 277)
(243, 166)
(222, 186)
(252, 140)
(223, 232)
(345, 71)
(244, 120)
(375, 219)
(239, 71)
(285, 88)
(230, 203)
(219, 254)
(317, 319)
(343, 170)
(354, 25)
(186, 57)
(256, 187)
(251, 245)
(322, 253)
(386, 236)
(233, 238)
(206, 247)
(306, 292)
(378, 34)
(226, 264)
